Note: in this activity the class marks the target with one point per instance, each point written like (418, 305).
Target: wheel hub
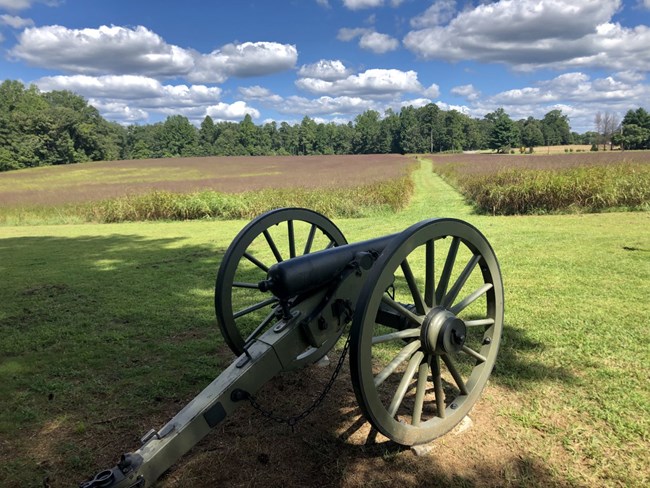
(443, 332)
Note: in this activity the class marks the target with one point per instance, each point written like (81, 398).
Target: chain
(293, 420)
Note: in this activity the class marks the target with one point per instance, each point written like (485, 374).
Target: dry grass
(533, 184)
(56, 185)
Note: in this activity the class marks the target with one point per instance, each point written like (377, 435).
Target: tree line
(60, 127)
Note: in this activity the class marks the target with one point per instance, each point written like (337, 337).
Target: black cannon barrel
(309, 272)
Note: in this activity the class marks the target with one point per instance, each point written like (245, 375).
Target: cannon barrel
(310, 272)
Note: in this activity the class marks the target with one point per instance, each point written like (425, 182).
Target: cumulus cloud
(325, 69)
(361, 4)
(244, 60)
(378, 43)
(114, 50)
(259, 93)
(373, 82)
(369, 39)
(139, 51)
(16, 5)
(466, 91)
(131, 98)
(531, 34)
(15, 21)
(432, 92)
(438, 13)
(147, 92)
(577, 94)
(232, 111)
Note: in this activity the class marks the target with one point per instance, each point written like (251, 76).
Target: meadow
(206, 187)
(550, 183)
(106, 330)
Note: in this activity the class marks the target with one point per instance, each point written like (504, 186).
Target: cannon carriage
(422, 310)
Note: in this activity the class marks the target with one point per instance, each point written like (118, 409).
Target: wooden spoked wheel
(426, 330)
(243, 311)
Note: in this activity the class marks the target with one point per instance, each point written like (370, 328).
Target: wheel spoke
(292, 239)
(330, 245)
(241, 284)
(468, 300)
(474, 354)
(272, 245)
(479, 322)
(455, 374)
(256, 262)
(429, 282)
(310, 239)
(437, 385)
(420, 391)
(267, 320)
(404, 383)
(413, 286)
(460, 282)
(448, 268)
(252, 308)
(400, 334)
(402, 356)
(398, 307)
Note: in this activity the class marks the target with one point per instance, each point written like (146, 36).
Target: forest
(59, 127)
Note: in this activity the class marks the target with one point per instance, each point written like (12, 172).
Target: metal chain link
(293, 420)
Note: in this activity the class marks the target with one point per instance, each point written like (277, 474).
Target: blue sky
(140, 61)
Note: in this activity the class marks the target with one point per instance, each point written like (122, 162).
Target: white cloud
(576, 94)
(373, 82)
(139, 51)
(324, 3)
(15, 5)
(15, 21)
(438, 13)
(120, 112)
(531, 34)
(360, 4)
(378, 43)
(244, 60)
(114, 50)
(259, 93)
(346, 34)
(139, 90)
(369, 39)
(467, 91)
(233, 111)
(432, 92)
(415, 103)
(325, 69)
(646, 3)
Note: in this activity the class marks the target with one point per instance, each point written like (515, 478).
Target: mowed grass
(107, 330)
(542, 184)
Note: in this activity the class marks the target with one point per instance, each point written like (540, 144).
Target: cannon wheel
(243, 311)
(414, 382)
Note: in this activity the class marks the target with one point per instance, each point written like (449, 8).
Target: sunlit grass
(116, 322)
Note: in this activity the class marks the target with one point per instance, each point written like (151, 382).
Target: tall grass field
(107, 330)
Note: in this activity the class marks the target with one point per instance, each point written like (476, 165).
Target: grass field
(107, 330)
(197, 188)
(553, 183)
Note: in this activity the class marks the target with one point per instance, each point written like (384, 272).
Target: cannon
(422, 309)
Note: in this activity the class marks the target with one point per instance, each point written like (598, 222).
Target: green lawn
(106, 330)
